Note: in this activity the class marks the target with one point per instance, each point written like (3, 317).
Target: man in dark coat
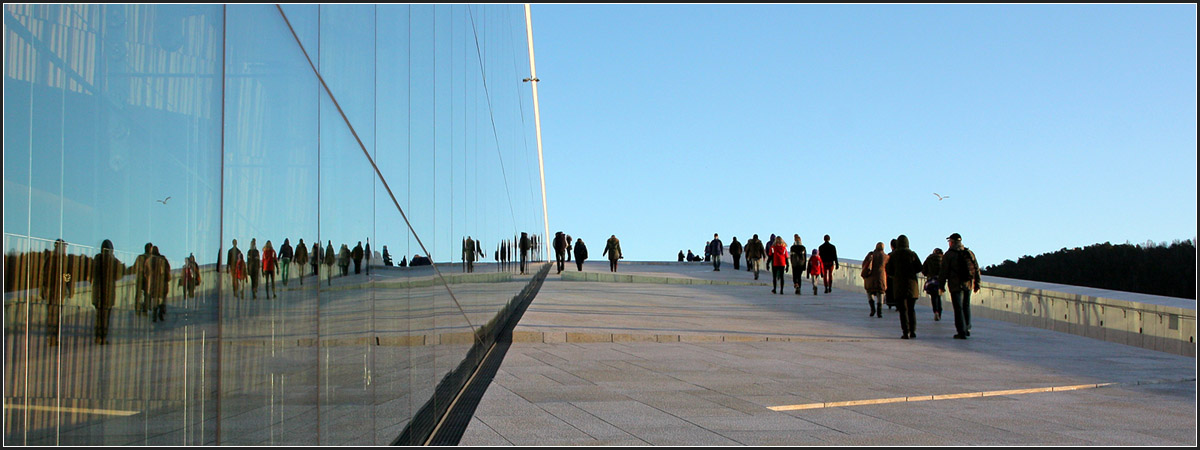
(560, 250)
(828, 254)
(903, 265)
(141, 268)
(580, 254)
(735, 250)
(960, 271)
(754, 252)
(358, 257)
(160, 282)
(525, 246)
(106, 270)
(716, 248)
(285, 259)
(301, 259)
(56, 286)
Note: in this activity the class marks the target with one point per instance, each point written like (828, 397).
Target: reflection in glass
(239, 224)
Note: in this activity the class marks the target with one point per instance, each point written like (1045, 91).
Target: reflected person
(525, 247)
(285, 259)
(56, 286)
(330, 257)
(254, 266)
(270, 267)
(301, 261)
(160, 281)
(106, 269)
(231, 258)
(357, 254)
(141, 267)
(190, 277)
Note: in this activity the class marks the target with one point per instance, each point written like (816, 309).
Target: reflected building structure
(141, 141)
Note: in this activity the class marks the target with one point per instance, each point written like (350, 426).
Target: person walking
(874, 279)
(799, 262)
(160, 282)
(754, 253)
(716, 248)
(526, 245)
(779, 263)
(560, 250)
(317, 258)
(367, 256)
(960, 271)
(285, 259)
(612, 248)
(141, 267)
(888, 298)
(301, 261)
(933, 264)
(902, 267)
(270, 266)
(106, 269)
(469, 254)
(231, 258)
(815, 269)
(735, 251)
(830, 261)
(344, 259)
(191, 276)
(580, 254)
(357, 254)
(330, 258)
(238, 272)
(254, 267)
(570, 246)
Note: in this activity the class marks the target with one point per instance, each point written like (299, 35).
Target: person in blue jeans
(960, 271)
(716, 248)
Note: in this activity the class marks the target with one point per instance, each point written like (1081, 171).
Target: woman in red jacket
(815, 269)
(779, 263)
(269, 267)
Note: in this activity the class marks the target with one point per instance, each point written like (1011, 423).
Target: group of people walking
(891, 279)
(565, 247)
(779, 258)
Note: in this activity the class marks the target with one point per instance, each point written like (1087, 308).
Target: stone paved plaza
(599, 363)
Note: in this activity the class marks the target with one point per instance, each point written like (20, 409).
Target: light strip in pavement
(104, 412)
(919, 398)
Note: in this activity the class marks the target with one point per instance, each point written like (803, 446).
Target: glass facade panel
(367, 160)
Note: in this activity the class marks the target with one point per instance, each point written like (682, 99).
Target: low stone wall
(1170, 329)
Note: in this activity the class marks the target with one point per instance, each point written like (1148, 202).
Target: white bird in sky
(940, 198)
(164, 201)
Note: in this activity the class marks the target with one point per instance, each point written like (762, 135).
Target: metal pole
(537, 118)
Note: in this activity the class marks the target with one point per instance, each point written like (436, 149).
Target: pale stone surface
(651, 386)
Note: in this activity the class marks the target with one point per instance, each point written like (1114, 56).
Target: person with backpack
(874, 280)
(931, 267)
(799, 263)
(754, 252)
(960, 271)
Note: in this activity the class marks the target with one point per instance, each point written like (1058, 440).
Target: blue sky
(1048, 126)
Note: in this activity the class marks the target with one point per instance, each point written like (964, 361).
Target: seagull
(164, 201)
(940, 198)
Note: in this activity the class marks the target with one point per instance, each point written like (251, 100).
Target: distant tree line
(1149, 268)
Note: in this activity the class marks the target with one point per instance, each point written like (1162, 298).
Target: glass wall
(256, 225)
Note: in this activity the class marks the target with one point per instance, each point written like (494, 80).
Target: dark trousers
(559, 258)
(908, 315)
(961, 301)
(102, 318)
(797, 278)
(357, 266)
(936, 301)
(828, 277)
(777, 275)
(579, 264)
(716, 262)
(612, 265)
(737, 263)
